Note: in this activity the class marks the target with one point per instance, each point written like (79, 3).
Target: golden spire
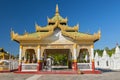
(57, 10)
(99, 33)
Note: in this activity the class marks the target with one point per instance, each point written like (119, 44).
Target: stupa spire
(117, 49)
(57, 10)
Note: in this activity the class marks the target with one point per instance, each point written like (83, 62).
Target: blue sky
(92, 15)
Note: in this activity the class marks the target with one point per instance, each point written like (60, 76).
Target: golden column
(20, 58)
(74, 57)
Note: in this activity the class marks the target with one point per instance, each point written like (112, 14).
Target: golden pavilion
(57, 37)
(3, 54)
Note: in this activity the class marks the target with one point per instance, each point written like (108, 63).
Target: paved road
(103, 76)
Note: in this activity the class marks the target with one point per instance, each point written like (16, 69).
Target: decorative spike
(57, 10)
(99, 31)
(48, 19)
(117, 49)
(78, 25)
(117, 44)
(11, 29)
(25, 31)
(12, 34)
(66, 18)
(36, 24)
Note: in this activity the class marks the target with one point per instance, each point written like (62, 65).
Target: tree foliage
(109, 51)
(59, 59)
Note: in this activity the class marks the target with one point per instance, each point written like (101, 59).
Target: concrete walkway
(34, 77)
(103, 76)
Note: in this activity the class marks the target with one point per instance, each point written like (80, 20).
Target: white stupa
(116, 58)
(97, 56)
(117, 53)
(105, 54)
(117, 50)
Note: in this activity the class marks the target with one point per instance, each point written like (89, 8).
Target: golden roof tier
(56, 22)
(57, 17)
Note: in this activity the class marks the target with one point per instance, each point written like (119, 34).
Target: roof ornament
(99, 33)
(66, 18)
(77, 25)
(36, 24)
(48, 19)
(12, 34)
(12, 30)
(25, 31)
(117, 44)
(57, 10)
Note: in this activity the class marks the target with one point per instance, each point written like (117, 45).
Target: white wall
(107, 62)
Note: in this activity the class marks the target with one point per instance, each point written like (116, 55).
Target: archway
(30, 56)
(83, 56)
(61, 58)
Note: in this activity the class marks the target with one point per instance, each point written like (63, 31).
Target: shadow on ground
(107, 70)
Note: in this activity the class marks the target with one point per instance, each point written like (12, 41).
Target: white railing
(29, 67)
(8, 64)
(13, 64)
(84, 66)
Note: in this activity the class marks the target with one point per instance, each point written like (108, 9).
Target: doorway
(60, 59)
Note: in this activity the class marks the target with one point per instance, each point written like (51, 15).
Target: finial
(66, 18)
(116, 44)
(36, 24)
(48, 19)
(77, 24)
(99, 31)
(25, 31)
(57, 10)
(11, 29)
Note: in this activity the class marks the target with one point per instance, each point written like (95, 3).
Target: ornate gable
(56, 22)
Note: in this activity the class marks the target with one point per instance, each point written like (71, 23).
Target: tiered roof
(56, 22)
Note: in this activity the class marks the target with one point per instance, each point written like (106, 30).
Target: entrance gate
(60, 59)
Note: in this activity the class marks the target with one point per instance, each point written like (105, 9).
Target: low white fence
(8, 65)
(29, 67)
(84, 66)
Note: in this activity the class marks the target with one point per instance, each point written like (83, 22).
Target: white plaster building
(107, 62)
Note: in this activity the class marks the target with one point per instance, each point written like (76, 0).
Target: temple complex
(7, 64)
(108, 62)
(3, 54)
(56, 38)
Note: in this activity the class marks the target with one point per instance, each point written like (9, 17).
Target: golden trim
(38, 47)
(92, 46)
(39, 61)
(68, 31)
(74, 60)
(21, 46)
(75, 45)
(92, 60)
